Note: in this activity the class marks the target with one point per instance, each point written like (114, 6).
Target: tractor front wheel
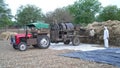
(22, 46)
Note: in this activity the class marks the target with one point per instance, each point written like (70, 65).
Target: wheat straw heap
(6, 35)
(114, 30)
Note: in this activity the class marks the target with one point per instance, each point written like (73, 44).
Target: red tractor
(37, 35)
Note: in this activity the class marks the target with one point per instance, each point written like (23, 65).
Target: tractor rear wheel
(43, 42)
(75, 41)
(22, 46)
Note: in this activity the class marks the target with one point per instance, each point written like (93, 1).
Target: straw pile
(114, 30)
(6, 35)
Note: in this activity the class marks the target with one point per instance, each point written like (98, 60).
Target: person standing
(106, 37)
(92, 34)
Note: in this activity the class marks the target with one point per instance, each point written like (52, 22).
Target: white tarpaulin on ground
(82, 47)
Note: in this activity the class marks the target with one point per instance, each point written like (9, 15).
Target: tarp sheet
(38, 25)
(109, 56)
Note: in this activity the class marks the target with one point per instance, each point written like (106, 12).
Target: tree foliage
(59, 15)
(28, 14)
(5, 14)
(84, 10)
(109, 13)
(118, 14)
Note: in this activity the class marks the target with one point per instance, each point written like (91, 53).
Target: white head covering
(106, 33)
(105, 27)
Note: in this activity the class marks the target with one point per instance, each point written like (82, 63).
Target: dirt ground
(41, 58)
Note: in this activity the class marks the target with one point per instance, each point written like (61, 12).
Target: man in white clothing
(106, 37)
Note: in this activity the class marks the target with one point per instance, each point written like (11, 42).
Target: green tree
(5, 14)
(28, 14)
(118, 14)
(59, 15)
(84, 11)
(109, 13)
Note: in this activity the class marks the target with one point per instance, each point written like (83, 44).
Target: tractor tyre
(22, 46)
(15, 46)
(43, 42)
(75, 41)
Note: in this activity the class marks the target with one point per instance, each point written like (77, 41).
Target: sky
(50, 5)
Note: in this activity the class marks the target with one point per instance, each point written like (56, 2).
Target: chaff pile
(114, 30)
(6, 35)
